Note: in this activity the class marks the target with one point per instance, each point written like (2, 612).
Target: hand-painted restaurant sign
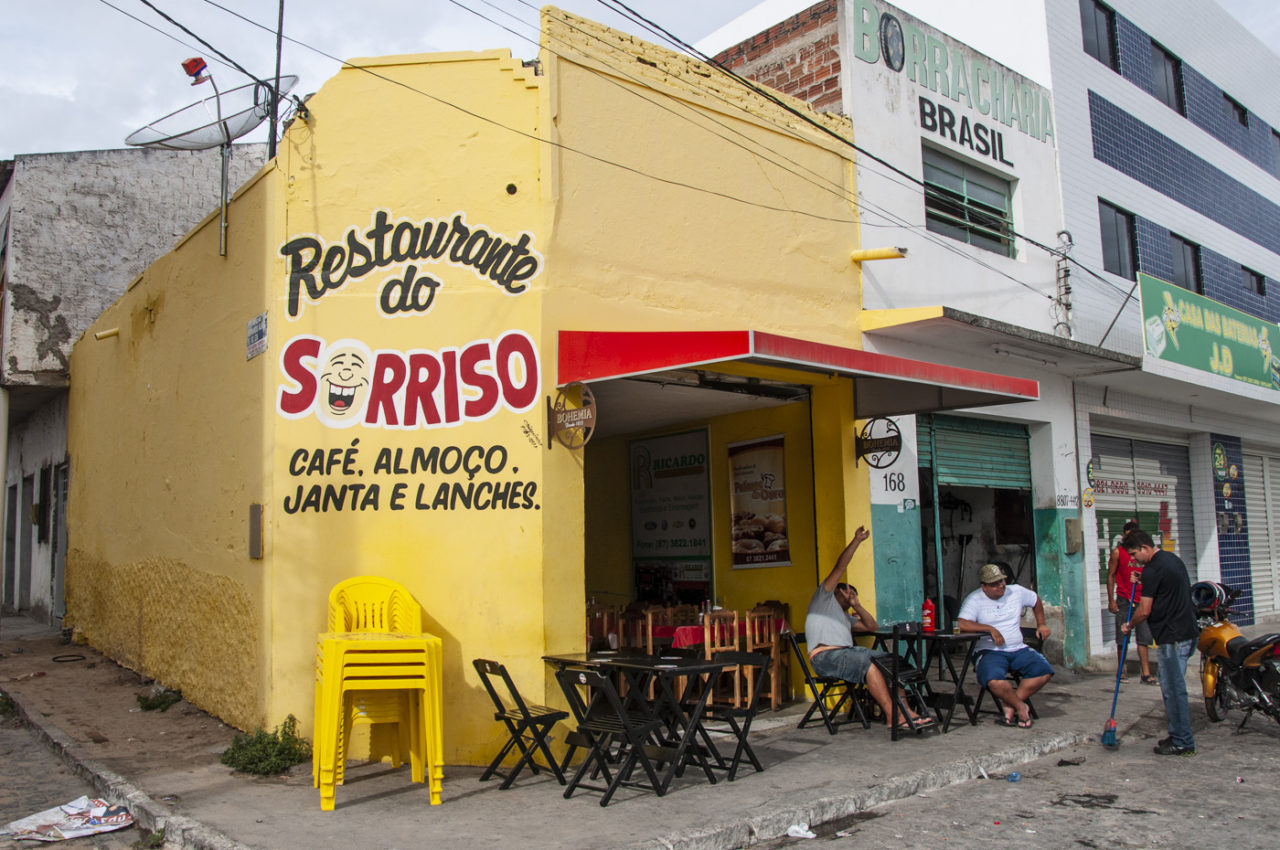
(345, 382)
(1182, 327)
(317, 267)
(954, 71)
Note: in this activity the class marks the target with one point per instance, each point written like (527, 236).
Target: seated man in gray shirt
(829, 630)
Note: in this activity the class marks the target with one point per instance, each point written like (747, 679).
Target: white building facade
(75, 230)
(1013, 269)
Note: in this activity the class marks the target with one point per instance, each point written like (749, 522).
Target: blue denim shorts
(1026, 662)
(848, 663)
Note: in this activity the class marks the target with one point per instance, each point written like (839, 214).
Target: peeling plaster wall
(82, 226)
(191, 630)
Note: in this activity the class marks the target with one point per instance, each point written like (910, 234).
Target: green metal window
(967, 204)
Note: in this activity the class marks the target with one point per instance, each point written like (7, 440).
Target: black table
(680, 686)
(922, 649)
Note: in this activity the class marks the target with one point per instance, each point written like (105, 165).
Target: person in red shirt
(1123, 576)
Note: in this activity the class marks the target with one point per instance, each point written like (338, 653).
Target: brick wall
(798, 56)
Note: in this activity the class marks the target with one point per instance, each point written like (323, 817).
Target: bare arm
(1140, 614)
(974, 626)
(866, 622)
(1042, 630)
(842, 563)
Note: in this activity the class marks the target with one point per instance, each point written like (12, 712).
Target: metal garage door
(1262, 505)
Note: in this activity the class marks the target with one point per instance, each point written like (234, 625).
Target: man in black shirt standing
(1166, 602)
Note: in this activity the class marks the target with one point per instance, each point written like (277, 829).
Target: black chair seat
(528, 726)
(739, 718)
(822, 688)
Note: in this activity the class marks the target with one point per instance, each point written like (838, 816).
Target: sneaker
(1168, 748)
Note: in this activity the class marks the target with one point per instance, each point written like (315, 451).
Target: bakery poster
(759, 503)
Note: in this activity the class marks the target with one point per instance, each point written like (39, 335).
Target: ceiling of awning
(648, 369)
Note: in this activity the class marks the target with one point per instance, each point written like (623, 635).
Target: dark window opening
(1253, 281)
(1186, 265)
(1166, 72)
(1098, 25)
(1236, 111)
(1119, 245)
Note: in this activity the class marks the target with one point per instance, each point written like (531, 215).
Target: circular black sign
(880, 442)
(891, 42)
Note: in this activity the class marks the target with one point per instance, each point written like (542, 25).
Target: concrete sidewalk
(810, 777)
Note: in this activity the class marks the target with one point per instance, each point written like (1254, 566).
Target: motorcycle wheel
(1216, 705)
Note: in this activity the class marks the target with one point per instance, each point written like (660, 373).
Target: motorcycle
(1235, 671)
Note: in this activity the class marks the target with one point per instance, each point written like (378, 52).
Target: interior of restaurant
(689, 422)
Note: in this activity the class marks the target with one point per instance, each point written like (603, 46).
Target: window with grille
(967, 204)
(1119, 247)
(1166, 73)
(1186, 265)
(1098, 25)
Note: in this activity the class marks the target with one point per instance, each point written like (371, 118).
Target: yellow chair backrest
(372, 604)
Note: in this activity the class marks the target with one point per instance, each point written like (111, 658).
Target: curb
(148, 815)
(737, 834)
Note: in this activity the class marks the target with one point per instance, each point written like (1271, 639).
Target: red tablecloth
(682, 636)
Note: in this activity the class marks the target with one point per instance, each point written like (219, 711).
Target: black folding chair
(908, 687)
(1032, 639)
(527, 724)
(601, 722)
(738, 718)
(823, 688)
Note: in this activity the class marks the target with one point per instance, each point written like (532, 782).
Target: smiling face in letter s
(344, 382)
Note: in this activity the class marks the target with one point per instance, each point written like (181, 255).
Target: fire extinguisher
(926, 615)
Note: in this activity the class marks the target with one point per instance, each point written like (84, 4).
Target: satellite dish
(213, 122)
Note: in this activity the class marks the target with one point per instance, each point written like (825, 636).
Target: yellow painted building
(445, 243)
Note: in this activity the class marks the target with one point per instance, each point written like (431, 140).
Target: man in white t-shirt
(995, 610)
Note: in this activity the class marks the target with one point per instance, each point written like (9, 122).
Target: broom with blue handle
(1109, 731)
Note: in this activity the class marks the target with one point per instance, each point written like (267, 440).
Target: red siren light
(196, 69)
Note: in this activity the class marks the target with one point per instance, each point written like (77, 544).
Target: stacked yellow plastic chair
(376, 665)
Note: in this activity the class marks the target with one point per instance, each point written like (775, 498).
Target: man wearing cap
(995, 610)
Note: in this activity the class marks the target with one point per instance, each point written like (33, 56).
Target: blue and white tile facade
(1203, 177)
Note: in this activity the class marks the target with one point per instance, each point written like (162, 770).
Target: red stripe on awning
(599, 355)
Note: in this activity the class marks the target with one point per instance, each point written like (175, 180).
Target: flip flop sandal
(1150, 680)
(1026, 724)
(1004, 721)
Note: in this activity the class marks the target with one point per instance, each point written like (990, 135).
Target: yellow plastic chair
(376, 644)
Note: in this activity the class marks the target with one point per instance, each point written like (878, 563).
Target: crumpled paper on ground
(800, 830)
(82, 816)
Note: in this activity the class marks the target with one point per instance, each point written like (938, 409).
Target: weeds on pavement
(267, 753)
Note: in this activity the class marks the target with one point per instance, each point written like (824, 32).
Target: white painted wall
(885, 108)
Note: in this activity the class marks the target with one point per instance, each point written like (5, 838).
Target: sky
(84, 74)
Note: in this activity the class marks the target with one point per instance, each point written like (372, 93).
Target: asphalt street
(1129, 797)
(31, 776)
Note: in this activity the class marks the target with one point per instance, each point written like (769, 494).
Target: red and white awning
(883, 385)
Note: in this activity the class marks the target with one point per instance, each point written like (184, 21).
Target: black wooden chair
(1031, 639)
(527, 724)
(823, 688)
(739, 717)
(913, 690)
(603, 722)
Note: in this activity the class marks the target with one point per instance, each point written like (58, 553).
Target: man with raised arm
(829, 628)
